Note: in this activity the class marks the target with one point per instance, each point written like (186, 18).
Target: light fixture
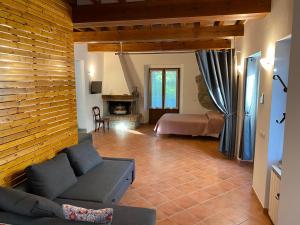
(91, 72)
(240, 69)
(267, 63)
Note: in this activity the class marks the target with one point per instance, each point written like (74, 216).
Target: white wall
(261, 35)
(92, 70)
(136, 67)
(80, 93)
(289, 206)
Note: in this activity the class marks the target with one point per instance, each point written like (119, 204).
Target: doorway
(279, 98)
(251, 87)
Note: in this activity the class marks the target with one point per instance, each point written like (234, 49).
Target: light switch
(262, 98)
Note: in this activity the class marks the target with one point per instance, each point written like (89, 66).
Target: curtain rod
(158, 52)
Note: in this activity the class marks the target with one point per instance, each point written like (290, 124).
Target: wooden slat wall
(37, 84)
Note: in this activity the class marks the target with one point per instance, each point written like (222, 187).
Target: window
(164, 88)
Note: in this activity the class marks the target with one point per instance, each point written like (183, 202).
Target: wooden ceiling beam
(169, 11)
(95, 2)
(161, 46)
(161, 34)
(219, 23)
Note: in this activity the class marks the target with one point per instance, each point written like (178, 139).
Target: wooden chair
(99, 120)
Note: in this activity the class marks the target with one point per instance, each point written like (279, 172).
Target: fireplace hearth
(122, 110)
(119, 108)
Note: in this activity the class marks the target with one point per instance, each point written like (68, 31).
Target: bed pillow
(101, 216)
(83, 157)
(23, 203)
(51, 178)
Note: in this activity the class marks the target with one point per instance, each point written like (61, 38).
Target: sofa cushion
(51, 178)
(26, 204)
(83, 157)
(100, 182)
(123, 215)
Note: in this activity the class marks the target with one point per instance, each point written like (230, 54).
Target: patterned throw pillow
(101, 216)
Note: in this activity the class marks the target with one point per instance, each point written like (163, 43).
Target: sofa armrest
(124, 159)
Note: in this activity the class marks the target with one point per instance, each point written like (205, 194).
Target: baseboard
(256, 195)
(244, 162)
(80, 130)
(264, 210)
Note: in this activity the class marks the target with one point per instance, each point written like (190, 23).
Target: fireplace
(119, 108)
(122, 110)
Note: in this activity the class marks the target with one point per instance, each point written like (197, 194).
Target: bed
(208, 124)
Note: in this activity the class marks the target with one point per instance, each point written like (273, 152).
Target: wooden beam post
(161, 46)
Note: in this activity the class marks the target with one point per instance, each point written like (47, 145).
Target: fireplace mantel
(129, 98)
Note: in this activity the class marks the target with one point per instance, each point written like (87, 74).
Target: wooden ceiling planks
(161, 46)
(37, 84)
(184, 21)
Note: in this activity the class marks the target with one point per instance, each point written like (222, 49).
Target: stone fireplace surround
(131, 120)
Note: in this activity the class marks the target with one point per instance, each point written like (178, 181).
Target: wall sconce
(240, 69)
(91, 73)
(267, 63)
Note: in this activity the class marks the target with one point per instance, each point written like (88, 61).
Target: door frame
(156, 113)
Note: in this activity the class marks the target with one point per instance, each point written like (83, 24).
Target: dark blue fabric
(83, 157)
(51, 178)
(102, 183)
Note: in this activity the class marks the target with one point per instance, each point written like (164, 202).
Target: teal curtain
(250, 107)
(218, 71)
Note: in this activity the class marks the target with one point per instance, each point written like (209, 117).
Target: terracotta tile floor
(185, 179)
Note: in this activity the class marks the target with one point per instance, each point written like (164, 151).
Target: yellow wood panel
(34, 116)
(13, 22)
(39, 38)
(37, 84)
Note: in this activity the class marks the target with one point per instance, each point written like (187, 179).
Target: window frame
(164, 70)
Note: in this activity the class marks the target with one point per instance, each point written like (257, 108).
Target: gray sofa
(105, 183)
(101, 187)
(123, 215)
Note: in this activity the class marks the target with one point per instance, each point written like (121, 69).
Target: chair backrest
(97, 113)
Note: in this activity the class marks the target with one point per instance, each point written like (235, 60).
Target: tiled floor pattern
(186, 179)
